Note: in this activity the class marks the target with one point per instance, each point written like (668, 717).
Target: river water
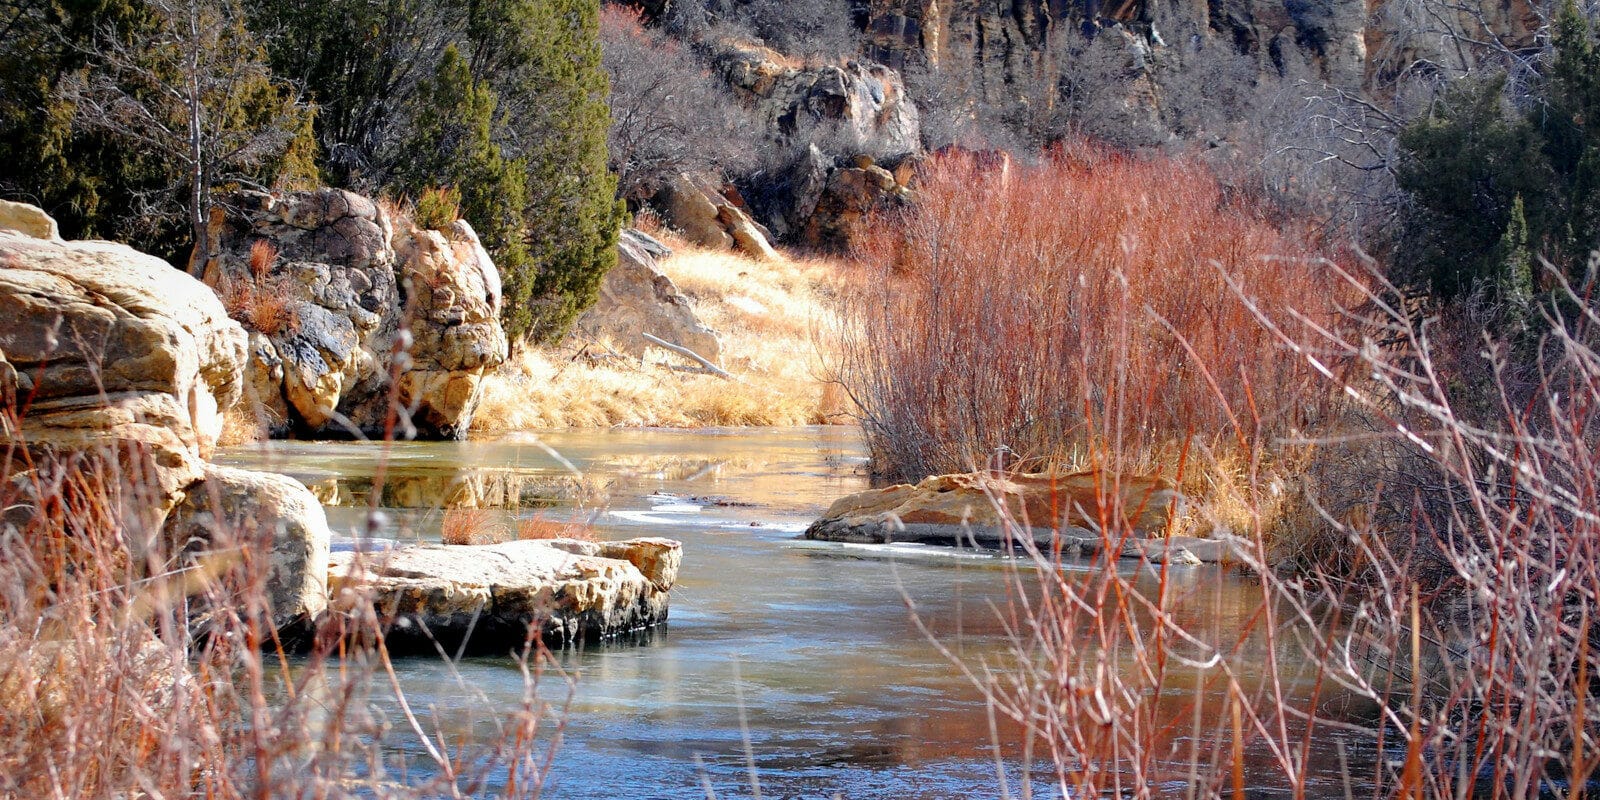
(807, 651)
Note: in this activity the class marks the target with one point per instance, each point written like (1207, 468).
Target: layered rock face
(112, 348)
(354, 300)
(122, 367)
(636, 298)
(486, 596)
(860, 105)
(1001, 48)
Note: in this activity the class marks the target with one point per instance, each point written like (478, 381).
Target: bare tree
(669, 114)
(192, 93)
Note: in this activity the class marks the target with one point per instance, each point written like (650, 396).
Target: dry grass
(265, 303)
(107, 691)
(542, 526)
(471, 526)
(770, 316)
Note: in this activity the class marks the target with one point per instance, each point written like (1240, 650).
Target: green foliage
(1495, 189)
(1466, 165)
(452, 142)
(133, 113)
(573, 214)
(83, 178)
(503, 100)
(437, 209)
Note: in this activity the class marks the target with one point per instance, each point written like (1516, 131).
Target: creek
(807, 650)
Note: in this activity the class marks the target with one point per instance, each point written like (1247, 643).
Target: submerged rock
(1085, 512)
(488, 596)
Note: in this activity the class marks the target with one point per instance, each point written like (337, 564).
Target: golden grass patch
(775, 318)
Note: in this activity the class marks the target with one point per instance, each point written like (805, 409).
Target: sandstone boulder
(944, 508)
(117, 354)
(858, 102)
(636, 298)
(690, 210)
(121, 368)
(273, 518)
(28, 221)
(357, 288)
(487, 596)
(699, 210)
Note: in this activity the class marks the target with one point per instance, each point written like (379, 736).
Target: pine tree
(573, 217)
(1515, 255)
(452, 146)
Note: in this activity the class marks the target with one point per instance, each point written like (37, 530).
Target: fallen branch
(689, 354)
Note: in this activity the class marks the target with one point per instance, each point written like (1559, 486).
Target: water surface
(811, 651)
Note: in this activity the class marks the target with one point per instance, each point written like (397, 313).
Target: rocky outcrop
(946, 507)
(636, 298)
(700, 211)
(272, 517)
(822, 201)
(1085, 514)
(114, 352)
(487, 596)
(121, 368)
(339, 297)
(28, 220)
(859, 105)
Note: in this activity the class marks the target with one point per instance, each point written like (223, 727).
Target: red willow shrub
(1076, 307)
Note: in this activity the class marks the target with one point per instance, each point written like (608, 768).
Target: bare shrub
(1079, 306)
(807, 28)
(669, 114)
(1451, 653)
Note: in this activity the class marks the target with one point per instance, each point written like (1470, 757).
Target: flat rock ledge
(485, 597)
(1069, 510)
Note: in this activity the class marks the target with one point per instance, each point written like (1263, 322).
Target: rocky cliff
(357, 320)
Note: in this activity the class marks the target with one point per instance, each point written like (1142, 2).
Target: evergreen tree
(1466, 165)
(561, 118)
(452, 146)
(129, 114)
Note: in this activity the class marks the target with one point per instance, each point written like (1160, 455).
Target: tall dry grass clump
(1080, 305)
(129, 670)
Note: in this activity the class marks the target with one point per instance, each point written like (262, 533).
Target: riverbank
(775, 320)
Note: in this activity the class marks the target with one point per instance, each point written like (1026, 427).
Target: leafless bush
(1451, 654)
(669, 114)
(1024, 307)
(805, 28)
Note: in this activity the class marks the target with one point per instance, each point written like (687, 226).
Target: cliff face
(1004, 51)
